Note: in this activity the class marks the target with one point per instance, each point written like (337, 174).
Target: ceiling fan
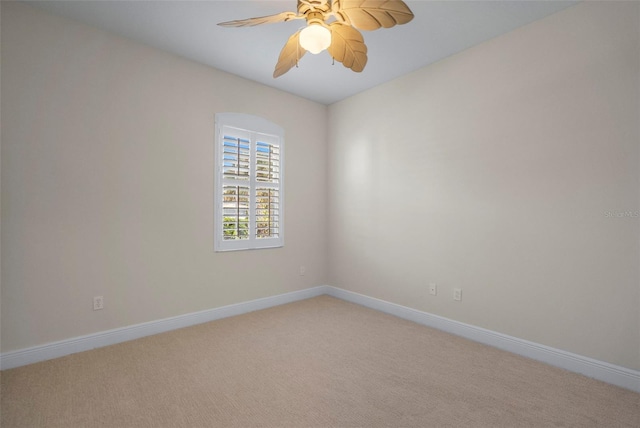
(332, 25)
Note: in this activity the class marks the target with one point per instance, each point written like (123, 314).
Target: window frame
(253, 127)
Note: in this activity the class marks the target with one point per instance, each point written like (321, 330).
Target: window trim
(253, 125)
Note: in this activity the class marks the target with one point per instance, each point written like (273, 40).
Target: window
(249, 196)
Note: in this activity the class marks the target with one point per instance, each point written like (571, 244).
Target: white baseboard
(610, 373)
(616, 375)
(49, 351)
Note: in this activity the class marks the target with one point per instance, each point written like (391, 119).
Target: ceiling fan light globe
(315, 38)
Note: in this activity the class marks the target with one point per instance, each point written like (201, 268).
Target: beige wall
(494, 171)
(107, 183)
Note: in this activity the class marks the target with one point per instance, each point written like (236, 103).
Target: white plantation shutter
(267, 213)
(236, 156)
(268, 189)
(249, 183)
(235, 212)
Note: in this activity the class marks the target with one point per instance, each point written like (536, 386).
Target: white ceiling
(188, 28)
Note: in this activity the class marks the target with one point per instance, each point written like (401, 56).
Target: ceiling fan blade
(347, 46)
(373, 14)
(289, 56)
(270, 19)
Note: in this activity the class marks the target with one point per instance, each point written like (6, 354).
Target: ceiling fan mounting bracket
(306, 6)
(315, 17)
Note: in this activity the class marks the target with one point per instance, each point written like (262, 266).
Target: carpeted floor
(320, 362)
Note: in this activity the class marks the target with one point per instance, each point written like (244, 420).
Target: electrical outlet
(457, 294)
(433, 289)
(303, 270)
(98, 303)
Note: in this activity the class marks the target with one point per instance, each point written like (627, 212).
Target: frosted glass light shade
(315, 38)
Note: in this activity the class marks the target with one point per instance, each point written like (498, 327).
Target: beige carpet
(320, 362)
